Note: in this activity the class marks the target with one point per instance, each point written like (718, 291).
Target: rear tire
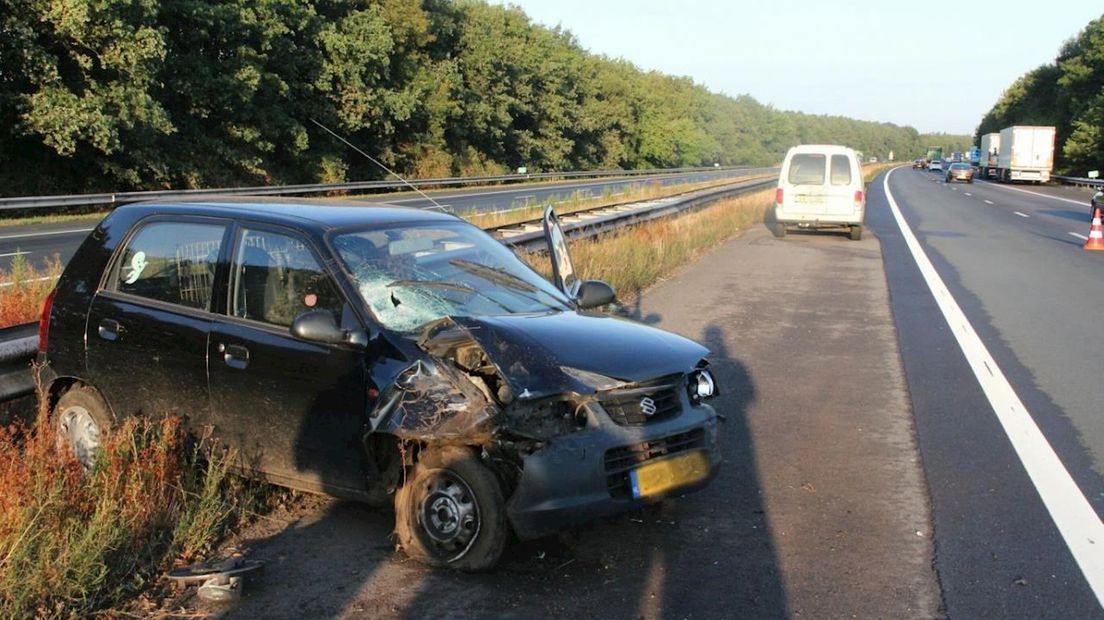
(81, 420)
(856, 232)
(779, 230)
(452, 512)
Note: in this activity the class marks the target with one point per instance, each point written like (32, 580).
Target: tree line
(113, 95)
(1068, 94)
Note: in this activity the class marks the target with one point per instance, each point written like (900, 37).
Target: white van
(821, 186)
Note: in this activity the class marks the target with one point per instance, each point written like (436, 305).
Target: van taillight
(858, 197)
(778, 195)
(44, 321)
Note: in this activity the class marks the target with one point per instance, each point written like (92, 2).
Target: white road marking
(48, 233)
(1021, 214)
(3, 284)
(967, 194)
(988, 202)
(1075, 518)
(1081, 237)
(1026, 191)
(14, 254)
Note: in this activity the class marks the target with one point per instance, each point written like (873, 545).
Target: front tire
(452, 512)
(82, 419)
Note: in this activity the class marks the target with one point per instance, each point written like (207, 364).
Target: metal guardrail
(119, 198)
(19, 344)
(1079, 181)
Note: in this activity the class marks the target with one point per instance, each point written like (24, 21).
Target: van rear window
(841, 170)
(806, 169)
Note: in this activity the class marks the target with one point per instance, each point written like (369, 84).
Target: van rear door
(841, 186)
(806, 176)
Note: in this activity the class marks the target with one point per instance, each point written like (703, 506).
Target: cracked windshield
(412, 276)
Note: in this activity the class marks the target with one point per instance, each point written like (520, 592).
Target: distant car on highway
(382, 354)
(960, 171)
(821, 186)
(920, 163)
(935, 165)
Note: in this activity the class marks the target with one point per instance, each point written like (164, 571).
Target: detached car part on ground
(380, 354)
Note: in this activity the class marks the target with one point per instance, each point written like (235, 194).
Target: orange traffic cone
(1096, 233)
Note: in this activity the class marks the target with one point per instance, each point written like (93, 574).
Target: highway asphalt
(1032, 294)
(40, 241)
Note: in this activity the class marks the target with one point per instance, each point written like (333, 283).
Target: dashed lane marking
(988, 202)
(1079, 236)
(1021, 214)
(1074, 517)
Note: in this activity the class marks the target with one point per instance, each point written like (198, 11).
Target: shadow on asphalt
(707, 554)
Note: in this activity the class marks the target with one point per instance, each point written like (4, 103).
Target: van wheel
(856, 233)
(779, 230)
(82, 419)
(451, 512)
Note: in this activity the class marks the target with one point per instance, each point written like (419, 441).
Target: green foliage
(112, 95)
(1069, 94)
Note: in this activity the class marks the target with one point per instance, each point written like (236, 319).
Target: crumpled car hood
(530, 349)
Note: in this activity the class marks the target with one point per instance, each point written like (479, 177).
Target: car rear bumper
(581, 477)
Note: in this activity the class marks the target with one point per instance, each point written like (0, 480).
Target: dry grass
(631, 260)
(54, 218)
(72, 543)
(577, 201)
(23, 289)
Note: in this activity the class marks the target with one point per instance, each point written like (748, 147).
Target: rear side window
(806, 169)
(172, 262)
(278, 279)
(841, 170)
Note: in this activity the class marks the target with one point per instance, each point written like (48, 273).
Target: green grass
(56, 218)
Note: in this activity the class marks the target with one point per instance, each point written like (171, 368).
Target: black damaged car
(381, 354)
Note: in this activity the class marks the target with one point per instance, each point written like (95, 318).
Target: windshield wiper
(497, 275)
(452, 286)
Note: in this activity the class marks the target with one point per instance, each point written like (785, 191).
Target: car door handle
(235, 356)
(110, 330)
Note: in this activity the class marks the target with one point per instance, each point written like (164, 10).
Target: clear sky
(935, 66)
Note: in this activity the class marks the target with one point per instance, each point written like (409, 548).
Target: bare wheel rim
(78, 431)
(448, 514)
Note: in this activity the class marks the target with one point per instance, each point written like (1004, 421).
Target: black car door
(294, 410)
(147, 328)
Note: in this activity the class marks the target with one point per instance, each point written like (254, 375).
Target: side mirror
(594, 293)
(319, 326)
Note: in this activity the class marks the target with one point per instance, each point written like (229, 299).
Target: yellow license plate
(662, 476)
(808, 198)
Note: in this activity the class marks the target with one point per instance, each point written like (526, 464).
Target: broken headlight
(701, 385)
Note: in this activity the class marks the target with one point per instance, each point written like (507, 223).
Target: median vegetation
(115, 96)
(73, 543)
(24, 287)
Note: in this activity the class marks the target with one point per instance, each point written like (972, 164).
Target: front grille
(626, 407)
(620, 461)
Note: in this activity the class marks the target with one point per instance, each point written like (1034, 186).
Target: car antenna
(375, 161)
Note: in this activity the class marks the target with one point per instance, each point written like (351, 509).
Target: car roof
(316, 213)
(822, 148)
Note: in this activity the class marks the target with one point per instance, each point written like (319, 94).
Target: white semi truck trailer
(1026, 153)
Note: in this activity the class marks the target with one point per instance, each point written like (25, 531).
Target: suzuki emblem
(648, 406)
